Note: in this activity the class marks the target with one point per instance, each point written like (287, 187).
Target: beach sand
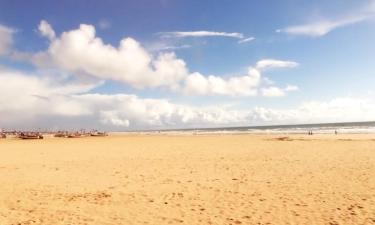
(188, 179)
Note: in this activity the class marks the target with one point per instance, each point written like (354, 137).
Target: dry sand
(187, 179)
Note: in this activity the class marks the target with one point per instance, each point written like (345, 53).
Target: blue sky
(319, 57)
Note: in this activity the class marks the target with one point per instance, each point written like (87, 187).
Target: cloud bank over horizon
(48, 105)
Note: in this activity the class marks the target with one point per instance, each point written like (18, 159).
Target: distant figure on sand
(335, 132)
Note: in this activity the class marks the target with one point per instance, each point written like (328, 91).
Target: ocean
(319, 128)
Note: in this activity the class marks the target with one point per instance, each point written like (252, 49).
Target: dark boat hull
(31, 137)
(98, 135)
(74, 136)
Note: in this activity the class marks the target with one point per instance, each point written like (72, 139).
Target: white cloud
(113, 118)
(202, 33)
(46, 30)
(31, 95)
(81, 52)
(6, 39)
(82, 55)
(273, 92)
(320, 28)
(324, 26)
(291, 88)
(346, 109)
(234, 86)
(164, 47)
(45, 104)
(339, 109)
(245, 40)
(246, 85)
(273, 63)
(29, 101)
(183, 34)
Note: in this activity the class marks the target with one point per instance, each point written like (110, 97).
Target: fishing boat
(98, 134)
(2, 135)
(61, 134)
(74, 135)
(31, 135)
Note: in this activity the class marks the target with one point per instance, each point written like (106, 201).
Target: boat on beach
(74, 135)
(61, 134)
(30, 135)
(96, 133)
(79, 134)
(2, 135)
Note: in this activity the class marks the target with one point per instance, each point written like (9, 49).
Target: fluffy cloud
(25, 96)
(81, 53)
(113, 118)
(6, 39)
(212, 85)
(247, 85)
(336, 110)
(273, 92)
(44, 103)
(46, 30)
(129, 111)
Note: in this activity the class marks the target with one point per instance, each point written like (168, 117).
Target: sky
(161, 64)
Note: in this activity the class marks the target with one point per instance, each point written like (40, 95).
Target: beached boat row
(66, 134)
(61, 134)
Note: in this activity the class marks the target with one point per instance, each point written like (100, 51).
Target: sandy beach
(188, 179)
